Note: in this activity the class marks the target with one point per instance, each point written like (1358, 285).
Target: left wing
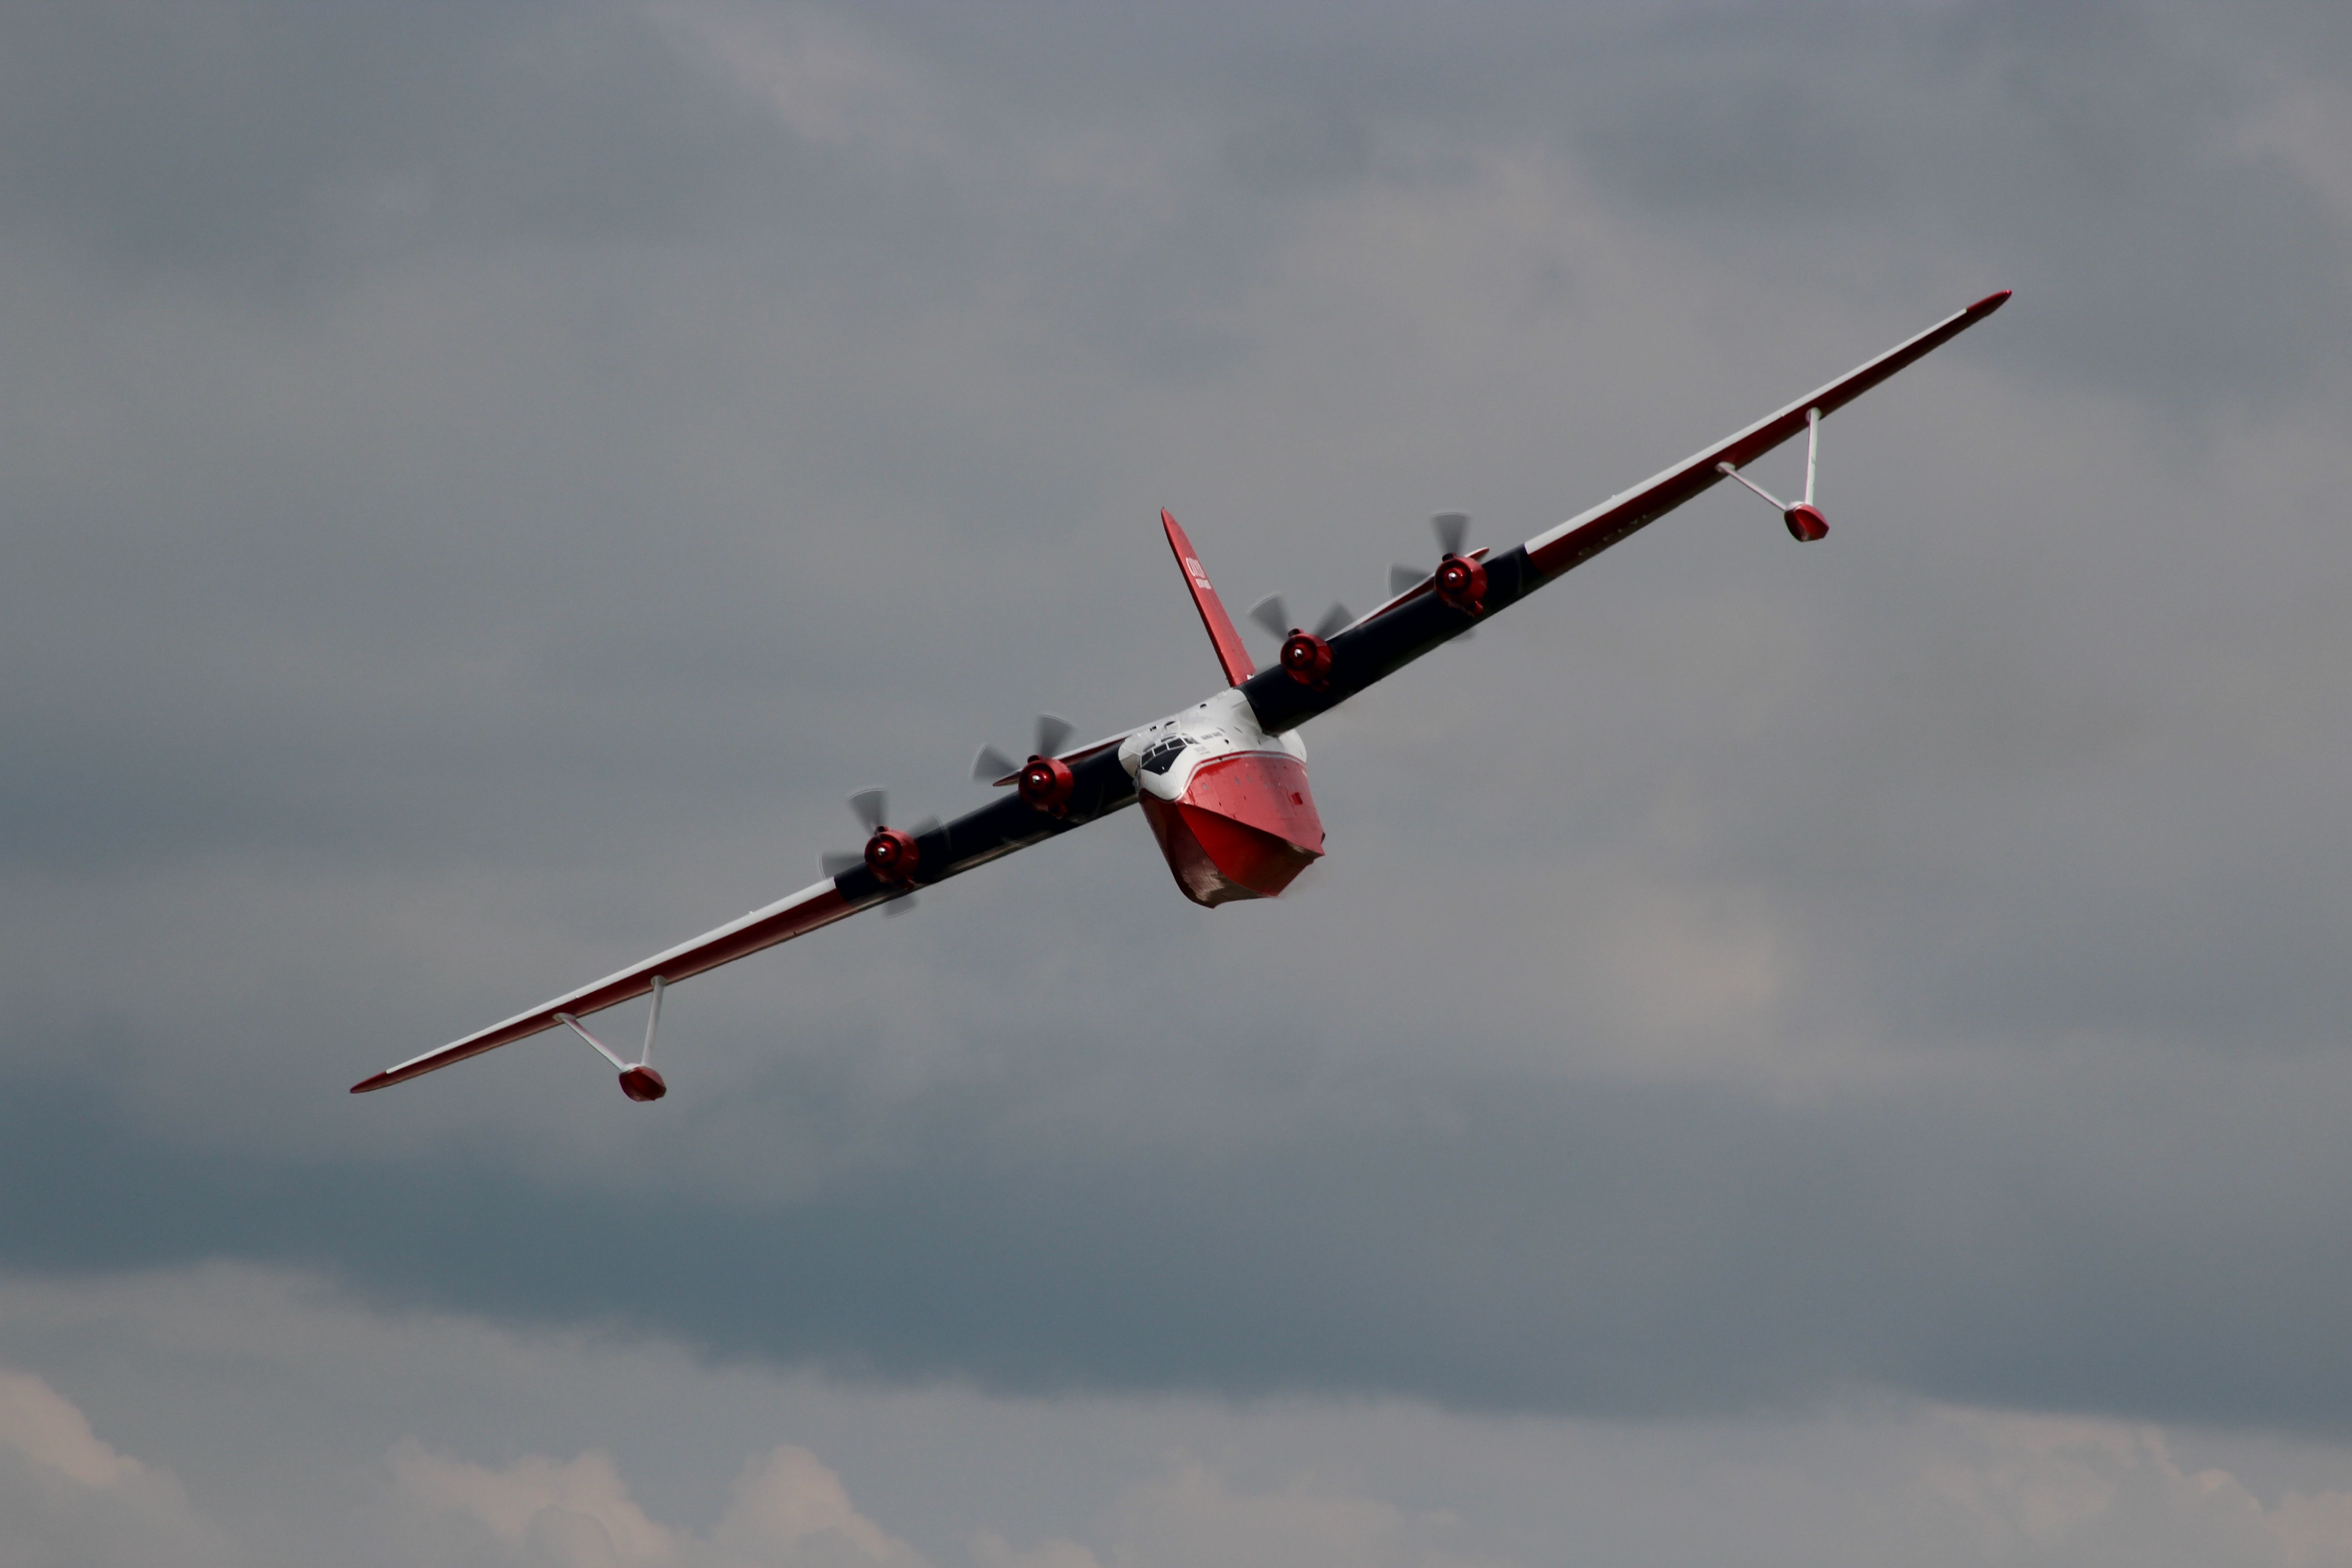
(1420, 618)
(1582, 537)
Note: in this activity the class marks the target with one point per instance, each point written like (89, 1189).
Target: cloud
(786, 1510)
(318, 1430)
(480, 492)
(67, 1496)
(46, 1429)
(534, 1499)
(1192, 1517)
(789, 1505)
(2046, 1490)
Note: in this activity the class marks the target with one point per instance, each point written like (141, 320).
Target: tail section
(1230, 651)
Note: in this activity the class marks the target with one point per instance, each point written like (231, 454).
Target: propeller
(1452, 531)
(872, 807)
(1052, 734)
(1275, 616)
(1458, 582)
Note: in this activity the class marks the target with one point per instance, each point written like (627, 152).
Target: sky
(1826, 1056)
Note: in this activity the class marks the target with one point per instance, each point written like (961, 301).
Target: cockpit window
(1163, 754)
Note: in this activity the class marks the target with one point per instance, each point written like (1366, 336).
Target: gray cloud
(482, 488)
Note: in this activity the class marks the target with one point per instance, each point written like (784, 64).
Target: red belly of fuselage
(1244, 826)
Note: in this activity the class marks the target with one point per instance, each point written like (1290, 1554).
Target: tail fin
(1230, 651)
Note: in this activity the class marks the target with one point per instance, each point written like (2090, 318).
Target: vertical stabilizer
(1230, 651)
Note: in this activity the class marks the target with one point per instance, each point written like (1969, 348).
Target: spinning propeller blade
(1402, 578)
(872, 806)
(1452, 530)
(1273, 615)
(991, 766)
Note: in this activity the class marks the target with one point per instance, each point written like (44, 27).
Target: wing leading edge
(1099, 787)
(804, 911)
(1589, 533)
(1420, 620)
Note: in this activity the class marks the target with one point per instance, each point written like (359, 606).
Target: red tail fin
(1230, 651)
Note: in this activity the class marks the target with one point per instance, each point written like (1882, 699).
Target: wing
(1582, 537)
(804, 911)
(1099, 786)
(1418, 620)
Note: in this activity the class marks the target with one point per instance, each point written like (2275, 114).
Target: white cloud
(787, 1509)
(2041, 1488)
(514, 1503)
(44, 1426)
(284, 1407)
(1194, 1517)
(68, 1498)
(809, 70)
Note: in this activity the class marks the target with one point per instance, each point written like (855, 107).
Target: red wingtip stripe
(1989, 303)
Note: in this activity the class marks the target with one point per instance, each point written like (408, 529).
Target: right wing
(803, 912)
(1099, 786)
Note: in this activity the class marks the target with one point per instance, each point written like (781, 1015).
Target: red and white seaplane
(1223, 785)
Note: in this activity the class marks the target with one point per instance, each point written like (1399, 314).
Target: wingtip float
(1222, 784)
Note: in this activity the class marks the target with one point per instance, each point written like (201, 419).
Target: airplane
(1223, 783)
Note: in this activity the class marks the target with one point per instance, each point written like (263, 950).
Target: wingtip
(1989, 303)
(366, 1084)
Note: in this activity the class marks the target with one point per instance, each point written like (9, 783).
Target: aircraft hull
(1243, 828)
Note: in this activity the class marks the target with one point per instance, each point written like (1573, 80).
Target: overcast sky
(1795, 1056)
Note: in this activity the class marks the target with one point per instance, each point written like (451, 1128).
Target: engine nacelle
(1806, 523)
(1461, 582)
(1046, 784)
(892, 855)
(1306, 658)
(642, 1084)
